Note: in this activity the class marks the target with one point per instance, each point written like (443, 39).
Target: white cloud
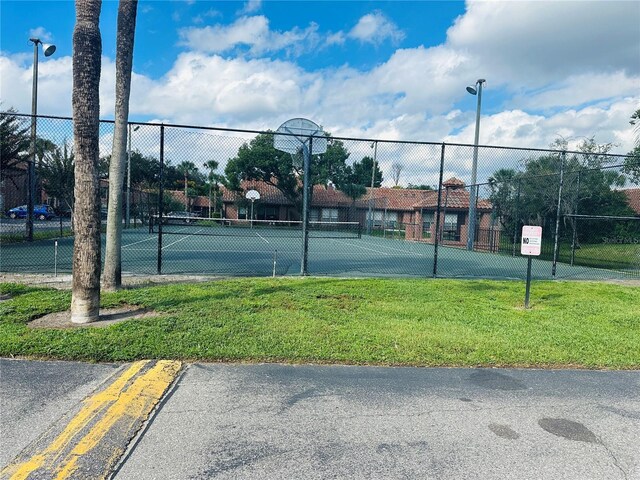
(579, 90)
(250, 32)
(337, 38)
(529, 44)
(415, 94)
(376, 28)
(250, 7)
(41, 33)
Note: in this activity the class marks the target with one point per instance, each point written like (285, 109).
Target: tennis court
(245, 250)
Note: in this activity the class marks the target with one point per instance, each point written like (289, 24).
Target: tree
(14, 144)
(504, 191)
(632, 162)
(87, 50)
(127, 10)
(186, 168)
(57, 174)
(213, 181)
(635, 121)
(363, 171)
(259, 160)
(44, 147)
(532, 195)
(632, 165)
(412, 186)
(396, 170)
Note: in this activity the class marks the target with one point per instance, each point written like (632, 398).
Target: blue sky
(390, 70)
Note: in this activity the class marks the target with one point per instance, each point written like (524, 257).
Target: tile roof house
(633, 197)
(411, 211)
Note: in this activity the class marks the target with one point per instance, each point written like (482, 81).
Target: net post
(275, 259)
(436, 241)
(160, 199)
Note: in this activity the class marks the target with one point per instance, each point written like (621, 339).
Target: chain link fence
(376, 208)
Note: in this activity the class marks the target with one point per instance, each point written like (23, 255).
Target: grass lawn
(598, 255)
(20, 237)
(371, 321)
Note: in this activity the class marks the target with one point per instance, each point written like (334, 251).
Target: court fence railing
(408, 204)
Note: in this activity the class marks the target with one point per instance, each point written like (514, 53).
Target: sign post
(530, 246)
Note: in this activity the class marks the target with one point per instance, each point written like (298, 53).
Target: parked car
(186, 217)
(40, 212)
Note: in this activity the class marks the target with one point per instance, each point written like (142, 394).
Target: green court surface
(259, 253)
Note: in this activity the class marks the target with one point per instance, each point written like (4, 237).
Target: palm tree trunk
(112, 276)
(87, 49)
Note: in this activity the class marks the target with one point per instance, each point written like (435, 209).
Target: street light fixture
(471, 231)
(128, 210)
(48, 50)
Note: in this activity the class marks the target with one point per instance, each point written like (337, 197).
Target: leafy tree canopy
(14, 143)
(259, 160)
(57, 174)
(588, 188)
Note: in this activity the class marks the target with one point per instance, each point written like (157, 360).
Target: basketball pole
(306, 150)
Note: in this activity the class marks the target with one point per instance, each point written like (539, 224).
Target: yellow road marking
(119, 407)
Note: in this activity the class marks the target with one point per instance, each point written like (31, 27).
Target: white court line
(406, 254)
(180, 239)
(202, 251)
(140, 241)
(364, 248)
(405, 251)
(155, 237)
(262, 237)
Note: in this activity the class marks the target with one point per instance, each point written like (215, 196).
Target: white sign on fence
(531, 240)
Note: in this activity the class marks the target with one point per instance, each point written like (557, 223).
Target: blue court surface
(262, 252)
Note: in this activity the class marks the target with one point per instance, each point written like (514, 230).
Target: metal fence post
(160, 199)
(575, 222)
(516, 220)
(555, 241)
(373, 177)
(435, 249)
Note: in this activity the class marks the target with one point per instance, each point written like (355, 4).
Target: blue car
(40, 212)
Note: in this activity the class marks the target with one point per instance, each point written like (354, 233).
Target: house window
(451, 221)
(268, 212)
(242, 212)
(450, 228)
(314, 215)
(427, 221)
(386, 218)
(329, 214)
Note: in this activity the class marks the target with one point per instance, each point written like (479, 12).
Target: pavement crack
(615, 459)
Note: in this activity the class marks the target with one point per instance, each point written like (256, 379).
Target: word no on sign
(531, 240)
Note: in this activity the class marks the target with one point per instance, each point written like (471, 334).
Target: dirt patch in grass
(108, 316)
(63, 282)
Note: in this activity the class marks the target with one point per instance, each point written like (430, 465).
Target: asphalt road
(276, 421)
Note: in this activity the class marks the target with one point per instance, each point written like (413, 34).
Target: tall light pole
(471, 231)
(31, 170)
(128, 210)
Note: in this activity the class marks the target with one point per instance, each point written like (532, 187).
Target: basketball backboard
(293, 134)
